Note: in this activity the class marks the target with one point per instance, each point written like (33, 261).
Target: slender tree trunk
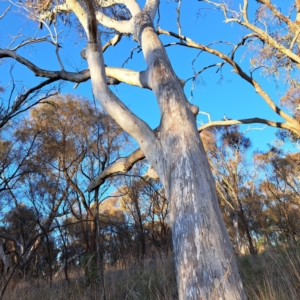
(140, 230)
(50, 260)
(235, 222)
(100, 261)
(4, 259)
(249, 237)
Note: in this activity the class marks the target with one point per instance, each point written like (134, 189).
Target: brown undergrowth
(271, 275)
(156, 280)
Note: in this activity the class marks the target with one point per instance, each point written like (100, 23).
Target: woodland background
(46, 166)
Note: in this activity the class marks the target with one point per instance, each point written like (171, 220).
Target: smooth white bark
(205, 262)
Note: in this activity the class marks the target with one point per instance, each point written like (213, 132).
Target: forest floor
(271, 275)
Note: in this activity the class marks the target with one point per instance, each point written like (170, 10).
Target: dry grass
(155, 281)
(272, 275)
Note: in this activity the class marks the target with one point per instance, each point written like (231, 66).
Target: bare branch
(178, 17)
(263, 35)
(246, 121)
(112, 42)
(21, 99)
(205, 113)
(120, 26)
(120, 166)
(115, 108)
(70, 76)
(5, 12)
(237, 69)
(30, 41)
(120, 74)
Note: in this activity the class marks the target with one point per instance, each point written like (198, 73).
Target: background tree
(280, 190)
(227, 149)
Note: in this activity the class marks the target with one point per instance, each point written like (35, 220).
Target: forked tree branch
(21, 99)
(122, 75)
(120, 166)
(263, 35)
(190, 43)
(128, 121)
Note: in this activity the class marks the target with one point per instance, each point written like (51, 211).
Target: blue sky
(232, 96)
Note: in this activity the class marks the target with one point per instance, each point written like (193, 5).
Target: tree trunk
(204, 258)
(235, 222)
(99, 247)
(140, 230)
(205, 263)
(251, 246)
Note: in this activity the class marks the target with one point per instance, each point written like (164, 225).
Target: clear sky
(231, 95)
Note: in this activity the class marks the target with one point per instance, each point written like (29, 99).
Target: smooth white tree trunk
(205, 262)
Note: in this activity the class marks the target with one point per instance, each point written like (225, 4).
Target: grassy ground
(271, 275)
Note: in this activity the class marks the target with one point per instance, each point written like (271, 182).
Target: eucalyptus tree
(280, 189)
(204, 258)
(76, 140)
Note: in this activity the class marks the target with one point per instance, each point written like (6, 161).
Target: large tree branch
(247, 121)
(79, 11)
(114, 107)
(120, 166)
(120, 26)
(122, 75)
(55, 75)
(190, 43)
(19, 247)
(128, 76)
